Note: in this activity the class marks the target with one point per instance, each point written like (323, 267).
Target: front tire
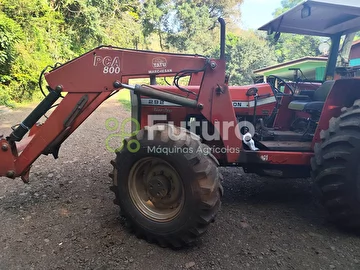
(167, 196)
(336, 170)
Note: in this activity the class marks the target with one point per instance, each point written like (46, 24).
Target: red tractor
(166, 177)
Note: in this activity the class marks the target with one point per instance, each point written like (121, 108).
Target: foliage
(286, 5)
(244, 54)
(291, 46)
(35, 34)
(155, 14)
(187, 26)
(27, 28)
(38, 33)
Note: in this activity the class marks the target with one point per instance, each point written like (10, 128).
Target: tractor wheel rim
(156, 189)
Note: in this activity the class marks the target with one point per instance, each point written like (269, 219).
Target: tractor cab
(300, 103)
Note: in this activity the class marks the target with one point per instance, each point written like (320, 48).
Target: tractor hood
(318, 18)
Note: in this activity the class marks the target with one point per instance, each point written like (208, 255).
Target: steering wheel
(275, 89)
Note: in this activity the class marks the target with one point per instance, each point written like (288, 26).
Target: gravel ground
(65, 217)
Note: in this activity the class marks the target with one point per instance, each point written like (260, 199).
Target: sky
(256, 13)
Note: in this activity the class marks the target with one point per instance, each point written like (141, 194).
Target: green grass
(124, 98)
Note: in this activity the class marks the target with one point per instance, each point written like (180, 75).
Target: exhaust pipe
(222, 38)
(154, 93)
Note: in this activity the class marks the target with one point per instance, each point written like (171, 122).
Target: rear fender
(343, 94)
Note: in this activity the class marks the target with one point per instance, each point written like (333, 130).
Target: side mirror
(252, 92)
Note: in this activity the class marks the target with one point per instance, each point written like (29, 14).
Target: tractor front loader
(167, 198)
(165, 176)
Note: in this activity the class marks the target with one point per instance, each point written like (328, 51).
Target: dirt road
(65, 217)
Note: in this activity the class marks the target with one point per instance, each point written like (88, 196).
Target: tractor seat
(298, 105)
(317, 102)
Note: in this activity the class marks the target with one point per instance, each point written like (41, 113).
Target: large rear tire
(169, 190)
(336, 168)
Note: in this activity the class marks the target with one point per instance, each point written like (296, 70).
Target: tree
(35, 34)
(10, 34)
(217, 8)
(29, 29)
(245, 53)
(291, 46)
(93, 23)
(286, 5)
(193, 33)
(38, 33)
(155, 14)
(187, 26)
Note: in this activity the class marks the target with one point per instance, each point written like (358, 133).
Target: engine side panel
(243, 105)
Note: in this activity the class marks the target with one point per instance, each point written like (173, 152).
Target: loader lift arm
(92, 78)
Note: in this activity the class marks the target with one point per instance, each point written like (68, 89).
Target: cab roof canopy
(318, 18)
